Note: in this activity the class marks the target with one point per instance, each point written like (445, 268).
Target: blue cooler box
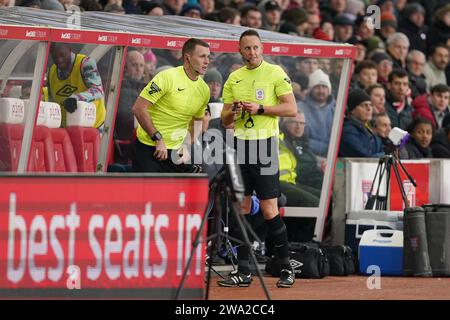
(382, 248)
(359, 221)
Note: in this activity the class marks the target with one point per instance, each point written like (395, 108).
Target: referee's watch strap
(260, 109)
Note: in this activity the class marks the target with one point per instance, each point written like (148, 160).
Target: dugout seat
(12, 113)
(42, 152)
(84, 137)
(65, 160)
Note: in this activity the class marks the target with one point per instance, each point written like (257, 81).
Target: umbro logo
(181, 89)
(295, 264)
(237, 81)
(66, 91)
(153, 88)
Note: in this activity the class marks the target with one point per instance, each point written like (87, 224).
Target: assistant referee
(166, 109)
(254, 97)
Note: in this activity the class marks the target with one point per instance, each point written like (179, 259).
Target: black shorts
(144, 161)
(258, 160)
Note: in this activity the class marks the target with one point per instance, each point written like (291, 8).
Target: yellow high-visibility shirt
(262, 85)
(61, 89)
(176, 100)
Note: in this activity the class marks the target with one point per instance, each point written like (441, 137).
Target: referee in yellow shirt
(254, 97)
(165, 110)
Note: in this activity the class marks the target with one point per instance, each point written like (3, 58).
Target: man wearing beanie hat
(192, 10)
(388, 25)
(214, 80)
(412, 25)
(357, 138)
(343, 29)
(318, 108)
(319, 77)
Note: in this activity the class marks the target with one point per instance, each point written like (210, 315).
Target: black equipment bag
(416, 261)
(307, 261)
(342, 260)
(437, 218)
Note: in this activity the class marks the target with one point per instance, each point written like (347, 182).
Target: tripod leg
(196, 241)
(406, 172)
(400, 185)
(213, 248)
(213, 270)
(388, 182)
(374, 198)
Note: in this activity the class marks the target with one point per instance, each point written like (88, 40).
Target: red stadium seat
(10, 144)
(42, 153)
(86, 144)
(65, 160)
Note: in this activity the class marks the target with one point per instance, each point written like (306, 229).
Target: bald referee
(166, 109)
(254, 97)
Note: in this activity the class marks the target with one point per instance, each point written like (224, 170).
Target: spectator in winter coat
(397, 48)
(384, 66)
(377, 95)
(357, 139)
(290, 150)
(412, 25)
(308, 173)
(365, 74)
(439, 32)
(397, 106)
(300, 176)
(415, 62)
(381, 125)
(332, 8)
(434, 106)
(251, 17)
(214, 80)
(343, 29)
(418, 145)
(435, 67)
(365, 33)
(271, 15)
(132, 86)
(192, 10)
(388, 25)
(295, 21)
(318, 107)
(440, 145)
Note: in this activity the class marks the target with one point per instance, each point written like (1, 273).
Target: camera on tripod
(397, 139)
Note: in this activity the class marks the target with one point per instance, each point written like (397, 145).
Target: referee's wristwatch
(260, 109)
(157, 136)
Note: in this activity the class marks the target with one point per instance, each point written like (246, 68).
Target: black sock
(278, 233)
(243, 251)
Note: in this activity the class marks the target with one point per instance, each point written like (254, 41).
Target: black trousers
(144, 161)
